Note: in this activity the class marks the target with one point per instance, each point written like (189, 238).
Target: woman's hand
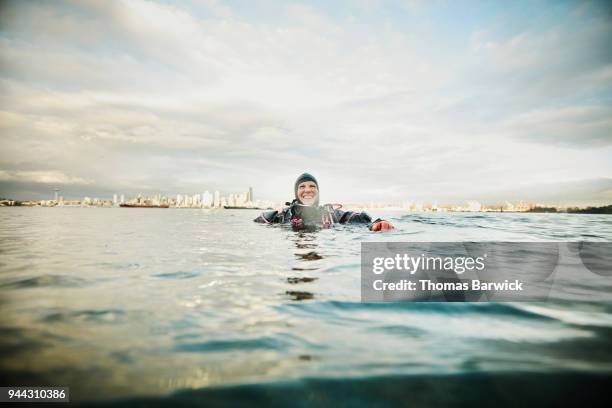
(382, 226)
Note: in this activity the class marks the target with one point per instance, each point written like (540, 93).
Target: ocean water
(149, 306)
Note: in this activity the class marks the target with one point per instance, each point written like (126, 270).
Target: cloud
(185, 97)
(566, 61)
(581, 126)
(42, 177)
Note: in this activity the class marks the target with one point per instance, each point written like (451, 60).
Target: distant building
(474, 206)
(242, 199)
(217, 199)
(207, 199)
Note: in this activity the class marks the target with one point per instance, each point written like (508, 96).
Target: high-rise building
(241, 199)
(217, 199)
(114, 199)
(250, 198)
(122, 199)
(207, 199)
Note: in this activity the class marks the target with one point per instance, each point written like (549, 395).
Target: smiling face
(307, 193)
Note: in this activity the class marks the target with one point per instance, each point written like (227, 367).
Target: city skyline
(382, 101)
(546, 195)
(245, 199)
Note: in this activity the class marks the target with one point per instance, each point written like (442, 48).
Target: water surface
(134, 302)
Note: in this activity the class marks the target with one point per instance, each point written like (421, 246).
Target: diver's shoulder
(271, 216)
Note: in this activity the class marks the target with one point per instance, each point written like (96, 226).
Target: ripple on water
(300, 294)
(177, 275)
(400, 330)
(14, 340)
(93, 316)
(480, 309)
(263, 343)
(295, 280)
(46, 281)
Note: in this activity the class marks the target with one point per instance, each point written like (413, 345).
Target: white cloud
(42, 177)
(581, 126)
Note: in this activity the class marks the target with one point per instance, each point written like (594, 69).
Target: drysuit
(303, 216)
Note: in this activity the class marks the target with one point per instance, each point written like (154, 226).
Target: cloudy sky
(381, 100)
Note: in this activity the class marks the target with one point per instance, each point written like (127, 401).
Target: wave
(45, 281)
(266, 343)
(97, 316)
(177, 275)
(480, 309)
